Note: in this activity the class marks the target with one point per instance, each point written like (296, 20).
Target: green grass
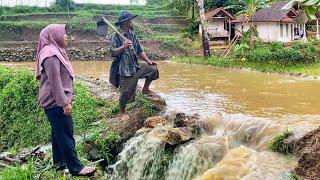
(148, 109)
(23, 122)
(312, 69)
(278, 144)
(19, 172)
(144, 11)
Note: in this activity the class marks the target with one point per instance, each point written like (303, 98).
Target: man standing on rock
(126, 70)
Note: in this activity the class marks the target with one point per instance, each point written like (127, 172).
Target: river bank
(309, 71)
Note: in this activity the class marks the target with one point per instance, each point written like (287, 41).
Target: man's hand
(127, 43)
(152, 63)
(67, 110)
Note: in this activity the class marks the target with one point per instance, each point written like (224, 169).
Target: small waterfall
(248, 164)
(196, 157)
(141, 156)
(146, 156)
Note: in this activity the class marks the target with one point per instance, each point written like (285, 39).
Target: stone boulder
(152, 122)
(177, 136)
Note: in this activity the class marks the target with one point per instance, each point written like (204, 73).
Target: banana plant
(311, 7)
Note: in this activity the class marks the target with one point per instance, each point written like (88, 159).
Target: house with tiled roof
(219, 25)
(273, 24)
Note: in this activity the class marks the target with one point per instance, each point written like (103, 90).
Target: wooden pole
(205, 36)
(229, 30)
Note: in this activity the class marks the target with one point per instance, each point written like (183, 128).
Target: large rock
(152, 122)
(183, 120)
(126, 127)
(179, 135)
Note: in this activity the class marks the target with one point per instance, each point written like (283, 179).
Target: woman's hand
(67, 110)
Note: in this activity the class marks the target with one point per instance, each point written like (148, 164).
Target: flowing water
(244, 110)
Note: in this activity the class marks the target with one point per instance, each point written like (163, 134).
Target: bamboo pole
(237, 37)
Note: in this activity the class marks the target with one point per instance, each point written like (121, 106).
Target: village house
(273, 24)
(220, 27)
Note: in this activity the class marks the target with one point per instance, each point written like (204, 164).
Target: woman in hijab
(55, 73)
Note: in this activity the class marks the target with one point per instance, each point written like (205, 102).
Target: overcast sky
(48, 2)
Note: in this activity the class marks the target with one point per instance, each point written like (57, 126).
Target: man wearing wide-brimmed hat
(126, 70)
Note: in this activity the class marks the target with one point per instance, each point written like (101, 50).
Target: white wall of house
(268, 31)
(239, 29)
(285, 32)
(271, 31)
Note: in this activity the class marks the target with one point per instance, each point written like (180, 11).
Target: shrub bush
(278, 144)
(277, 54)
(287, 56)
(240, 50)
(6, 75)
(275, 46)
(259, 55)
(24, 123)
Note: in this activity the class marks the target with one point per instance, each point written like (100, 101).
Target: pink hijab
(51, 44)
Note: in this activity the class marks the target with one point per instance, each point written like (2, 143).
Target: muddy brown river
(260, 104)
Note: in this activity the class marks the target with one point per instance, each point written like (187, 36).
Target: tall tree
(205, 36)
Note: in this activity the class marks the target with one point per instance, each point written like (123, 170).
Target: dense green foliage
(65, 4)
(21, 115)
(276, 53)
(278, 144)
